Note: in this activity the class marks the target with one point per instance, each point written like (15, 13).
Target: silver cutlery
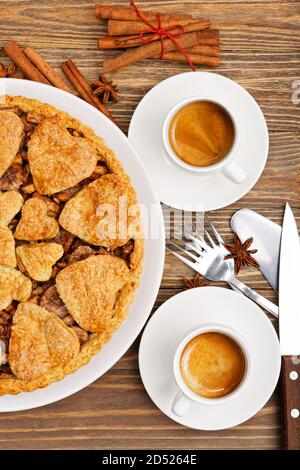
(210, 262)
(289, 328)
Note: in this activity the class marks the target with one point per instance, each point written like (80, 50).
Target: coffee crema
(212, 365)
(201, 133)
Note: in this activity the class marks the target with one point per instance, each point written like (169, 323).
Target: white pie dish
(154, 248)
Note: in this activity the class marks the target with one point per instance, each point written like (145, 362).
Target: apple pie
(71, 245)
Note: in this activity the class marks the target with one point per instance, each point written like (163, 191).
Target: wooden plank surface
(260, 50)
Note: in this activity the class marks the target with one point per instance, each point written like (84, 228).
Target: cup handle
(234, 173)
(180, 404)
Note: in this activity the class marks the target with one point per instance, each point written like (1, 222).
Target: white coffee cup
(185, 396)
(228, 166)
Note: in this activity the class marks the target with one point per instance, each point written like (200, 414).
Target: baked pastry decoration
(57, 160)
(89, 287)
(7, 248)
(11, 132)
(35, 223)
(13, 286)
(39, 342)
(66, 282)
(11, 203)
(84, 213)
(38, 259)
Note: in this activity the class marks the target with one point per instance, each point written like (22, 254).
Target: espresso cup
(185, 396)
(227, 165)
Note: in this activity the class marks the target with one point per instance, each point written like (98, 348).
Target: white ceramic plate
(154, 248)
(182, 188)
(186, 312)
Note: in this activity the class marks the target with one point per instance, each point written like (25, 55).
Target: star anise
(105, 89)
(241, 254)
(9, 72)
(196, 281)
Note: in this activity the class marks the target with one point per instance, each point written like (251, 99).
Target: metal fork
(223, 251)
(211, 264)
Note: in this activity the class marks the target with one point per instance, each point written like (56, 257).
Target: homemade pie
(71, 246)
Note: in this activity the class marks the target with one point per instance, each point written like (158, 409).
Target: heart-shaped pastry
(11, 203)
(39, 258)
(35, 224)
(13, 286)
(89, 289)
(58, 160)
(39, 342)
(7, 248)
(11, 132)
(100, 212)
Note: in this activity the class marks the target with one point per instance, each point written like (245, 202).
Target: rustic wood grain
(261, 51)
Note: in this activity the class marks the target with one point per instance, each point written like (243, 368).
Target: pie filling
(44, 293)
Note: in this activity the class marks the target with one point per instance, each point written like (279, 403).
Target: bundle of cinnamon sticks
(193, 35)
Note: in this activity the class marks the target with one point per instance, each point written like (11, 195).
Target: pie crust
(11, 130)
(67, 288)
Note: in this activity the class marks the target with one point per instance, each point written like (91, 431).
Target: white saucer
(188, 311)
(181, 188)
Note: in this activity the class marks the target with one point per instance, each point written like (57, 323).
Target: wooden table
(260, 50)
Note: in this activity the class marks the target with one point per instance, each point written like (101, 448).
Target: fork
(220, 246)
(211, 263)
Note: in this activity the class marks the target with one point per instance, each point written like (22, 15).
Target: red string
(155, 31)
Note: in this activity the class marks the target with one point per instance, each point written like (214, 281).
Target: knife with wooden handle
(289, 329)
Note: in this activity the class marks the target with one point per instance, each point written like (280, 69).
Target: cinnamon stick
(113, 12)
(205, 37)
(210, 51)
(209, 37)
(46, 69)
(82, 86)
(17, 56)
(149, 50)
(119, 42)
(197, 59)
(76, 84)
(123, 28)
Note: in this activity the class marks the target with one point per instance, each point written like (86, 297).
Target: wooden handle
(290, 380)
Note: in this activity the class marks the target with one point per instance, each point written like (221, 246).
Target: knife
(248, 223)
(289, 328)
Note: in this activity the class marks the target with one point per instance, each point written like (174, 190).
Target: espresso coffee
(212, 365)
(201, 133)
